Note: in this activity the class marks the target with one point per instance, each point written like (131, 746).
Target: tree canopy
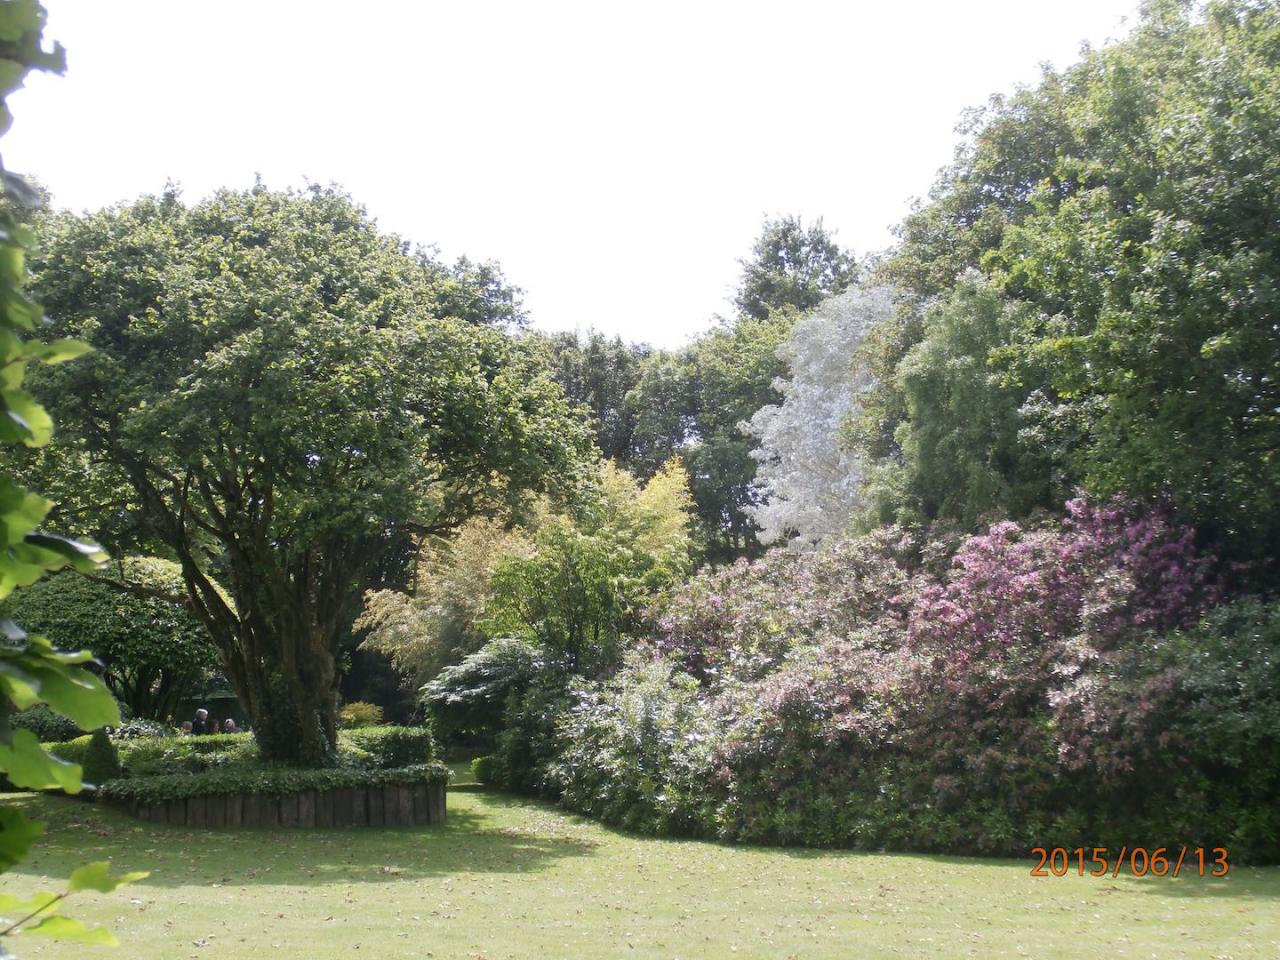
(132, 617)
(1125, 209)
(280, 394)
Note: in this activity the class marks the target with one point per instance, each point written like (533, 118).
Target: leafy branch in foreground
(31, 670)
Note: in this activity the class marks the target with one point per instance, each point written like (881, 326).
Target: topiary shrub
(264, 780)
(72, 751)
(101, 760)
(358, 714)
(49, 727)
(390, 747)
(485, 770)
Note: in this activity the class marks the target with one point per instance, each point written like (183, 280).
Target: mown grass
(509, 878)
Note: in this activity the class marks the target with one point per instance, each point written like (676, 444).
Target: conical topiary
(101, 759)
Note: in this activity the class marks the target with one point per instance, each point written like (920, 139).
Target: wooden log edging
(393, 805)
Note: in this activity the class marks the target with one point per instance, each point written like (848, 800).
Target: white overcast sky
(616, 158)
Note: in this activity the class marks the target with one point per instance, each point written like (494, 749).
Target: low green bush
(158, 756)
(101, 760)
(358, 714)
(72, 751)
(390, 747)
(263, 780)
(485, 770)
(638, 753)
(49, 727)
(138, 729)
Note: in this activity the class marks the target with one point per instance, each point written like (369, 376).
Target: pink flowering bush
(739, 622)
(1074, 683)
(1022, 684)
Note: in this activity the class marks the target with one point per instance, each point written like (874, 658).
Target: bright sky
(616, 158)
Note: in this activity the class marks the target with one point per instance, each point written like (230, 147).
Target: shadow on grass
(467, 842)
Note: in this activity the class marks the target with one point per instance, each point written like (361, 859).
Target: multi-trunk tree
(279, 396)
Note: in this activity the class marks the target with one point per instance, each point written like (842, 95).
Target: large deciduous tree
(792, 265)
(280, 395)
(1126, 209)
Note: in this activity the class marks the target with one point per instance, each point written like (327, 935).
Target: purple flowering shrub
(1073, 683)
(1023, 683)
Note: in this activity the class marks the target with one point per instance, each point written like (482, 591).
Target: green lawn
(507, 877)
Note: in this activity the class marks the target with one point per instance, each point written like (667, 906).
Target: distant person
(201, 722)
(229, 726)
(186, 728)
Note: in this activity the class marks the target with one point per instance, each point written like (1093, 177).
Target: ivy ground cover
(512, 878)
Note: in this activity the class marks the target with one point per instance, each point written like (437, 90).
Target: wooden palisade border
(392, 805)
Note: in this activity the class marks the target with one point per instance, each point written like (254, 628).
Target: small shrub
(358, 714)
(72, 751)
(101, 761)
(391, 747)
(485, 770)
(49, 727)
(469, 698)
(638, 753)
(139, 729)
(158, 756)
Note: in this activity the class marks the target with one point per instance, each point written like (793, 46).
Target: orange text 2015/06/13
(1139, 861)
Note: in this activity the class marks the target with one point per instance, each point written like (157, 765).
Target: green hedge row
(271, 781)
(390, 747)
(378, 748)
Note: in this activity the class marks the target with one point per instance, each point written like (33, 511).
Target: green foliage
(966, 450)
(101, 760)
(597, 374)
(158, 756)
(70, 751)
(581, 589)
(470, 697)
(142, 730)
(154, 651)
(1125, 209)
(45, 724)
(437, 624)
(32, 672)
(792, 266)
(264, 780)
(638, 753)
(485, 770)
(276, 371)
(359, 714)
(531, 739)
(389, 747)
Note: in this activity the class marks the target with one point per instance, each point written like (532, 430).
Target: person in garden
(201, 722)
(229, 726)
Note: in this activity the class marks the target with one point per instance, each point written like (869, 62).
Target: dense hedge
(49, 727)
(389, 747)
(273, 780)
(365, 748)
